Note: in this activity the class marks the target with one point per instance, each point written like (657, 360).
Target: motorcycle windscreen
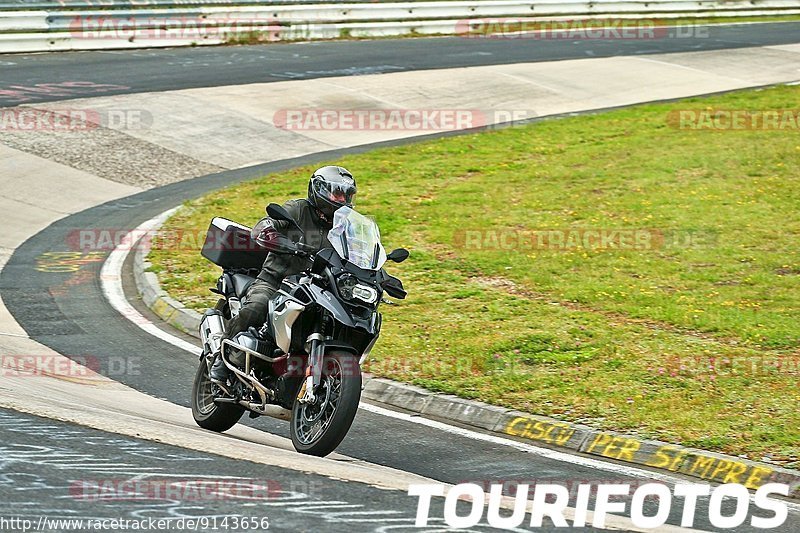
(356, 238)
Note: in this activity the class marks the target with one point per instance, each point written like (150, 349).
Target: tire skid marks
(117, 457)
(61, 457)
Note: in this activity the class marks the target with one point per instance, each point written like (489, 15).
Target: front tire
(318, 429)
(207, 413)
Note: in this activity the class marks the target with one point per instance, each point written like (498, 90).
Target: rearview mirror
(398, 255)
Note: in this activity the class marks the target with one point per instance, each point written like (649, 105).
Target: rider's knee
(254, 311)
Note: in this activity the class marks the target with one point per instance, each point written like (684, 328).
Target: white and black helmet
(330, 188)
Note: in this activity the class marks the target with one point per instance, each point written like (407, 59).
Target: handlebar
(279, 244)
(305, 248)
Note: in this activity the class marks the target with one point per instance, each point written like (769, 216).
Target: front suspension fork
(314, 368)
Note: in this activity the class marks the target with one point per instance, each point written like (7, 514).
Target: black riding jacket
(315, 233)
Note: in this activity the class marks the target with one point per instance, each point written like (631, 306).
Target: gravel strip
(109, 154)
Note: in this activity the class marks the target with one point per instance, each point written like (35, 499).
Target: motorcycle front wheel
(206, 412)
(318, 428)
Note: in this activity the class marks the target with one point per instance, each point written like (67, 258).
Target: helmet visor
(340, 194)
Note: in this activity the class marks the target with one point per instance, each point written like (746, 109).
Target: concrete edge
(158, 301)
(538, 430)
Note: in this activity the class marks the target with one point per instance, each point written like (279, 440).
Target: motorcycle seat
(241, 283)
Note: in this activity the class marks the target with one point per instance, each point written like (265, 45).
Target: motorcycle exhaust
(212, 328)
(273, 411)
(270, 410)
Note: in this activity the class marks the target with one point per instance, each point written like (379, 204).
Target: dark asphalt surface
(67, 311)
(67, 472)
(28, 78)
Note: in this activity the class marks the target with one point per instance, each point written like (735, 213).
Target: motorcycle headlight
(346, 283)
(365, 293)
(350, 288)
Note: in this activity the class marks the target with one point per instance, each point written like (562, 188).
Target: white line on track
(111, 281)
(14, 335)
(547, 453)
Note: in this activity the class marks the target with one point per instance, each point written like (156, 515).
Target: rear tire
(341, 378)
(207, 413)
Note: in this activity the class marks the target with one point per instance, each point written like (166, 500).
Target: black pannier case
(228, 245)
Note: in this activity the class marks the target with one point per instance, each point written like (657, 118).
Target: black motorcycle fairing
(309, 294)
(330, 302)
(360, 331)
(364, 333)
(328, 263)
(379, 279)
(366, 323)
(347, 312)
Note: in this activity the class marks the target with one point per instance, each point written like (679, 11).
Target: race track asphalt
(30, 78)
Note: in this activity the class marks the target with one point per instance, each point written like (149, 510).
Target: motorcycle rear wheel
(207, 413)
(319, 428)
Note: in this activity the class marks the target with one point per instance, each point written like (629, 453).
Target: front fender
(331, 345)
(351, 366)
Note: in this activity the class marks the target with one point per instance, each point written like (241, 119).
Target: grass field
(683, 326)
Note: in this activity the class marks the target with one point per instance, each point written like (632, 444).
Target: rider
(329, 188)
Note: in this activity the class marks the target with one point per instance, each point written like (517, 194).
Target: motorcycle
(304, 364)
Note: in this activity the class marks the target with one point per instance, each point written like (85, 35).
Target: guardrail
(110, 24)
(59, 5)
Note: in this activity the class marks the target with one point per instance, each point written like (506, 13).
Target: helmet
(330, 188)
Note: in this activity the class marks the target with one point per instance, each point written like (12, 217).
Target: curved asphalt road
(67, 311)
(30, 78)
(69, 473)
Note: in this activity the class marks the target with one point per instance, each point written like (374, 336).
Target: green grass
(619, 339)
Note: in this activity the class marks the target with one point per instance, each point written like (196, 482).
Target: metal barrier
(110, 24)
(58, 5)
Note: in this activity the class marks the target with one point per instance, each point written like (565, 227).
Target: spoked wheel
(207, 413)
(318, 428)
